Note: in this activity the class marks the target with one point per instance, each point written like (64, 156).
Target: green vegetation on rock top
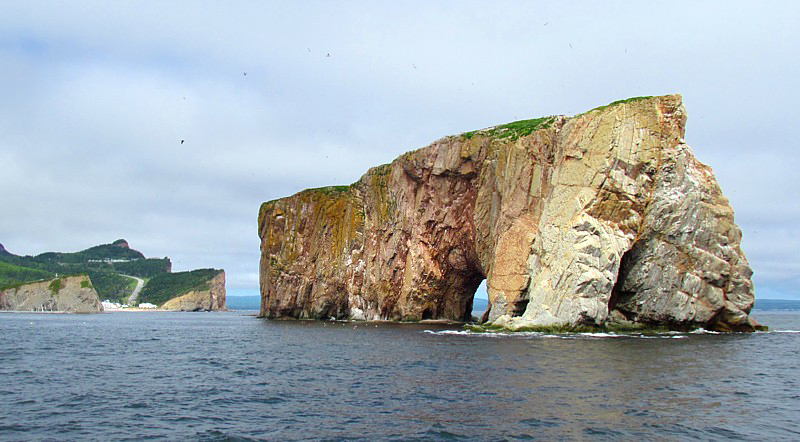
(56, 285)
(328, 190)
(513, 130)
(614, 103)
(12, 276)
(101, 252)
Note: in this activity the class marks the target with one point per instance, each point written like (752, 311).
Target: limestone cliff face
(73, 294)
(212, 299)
(603, 217)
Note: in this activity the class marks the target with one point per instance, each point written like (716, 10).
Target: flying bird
(329, 55)
(245, 74)
(182, 141)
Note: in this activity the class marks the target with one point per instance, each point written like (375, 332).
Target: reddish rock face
(545, 210)
(121, 243)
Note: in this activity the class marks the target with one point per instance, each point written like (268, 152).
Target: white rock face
(636, 229)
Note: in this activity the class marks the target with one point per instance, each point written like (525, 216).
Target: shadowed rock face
(603, 217)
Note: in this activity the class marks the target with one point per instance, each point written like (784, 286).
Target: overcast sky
(97, 96)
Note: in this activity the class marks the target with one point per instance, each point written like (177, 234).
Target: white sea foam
(598, 335)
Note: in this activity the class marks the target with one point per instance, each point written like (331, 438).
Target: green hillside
(11, 275)
(115, 251)
(104, 264)
(163, 287)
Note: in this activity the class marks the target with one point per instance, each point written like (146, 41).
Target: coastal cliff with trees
(113, 271)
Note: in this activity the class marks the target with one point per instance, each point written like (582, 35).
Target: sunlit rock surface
(71, 294)
(602, 217)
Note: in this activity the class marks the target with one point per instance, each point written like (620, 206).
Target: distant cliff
(602, 218)
(197, 290)
(73, 294)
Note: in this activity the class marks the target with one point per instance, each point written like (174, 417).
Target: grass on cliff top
(13, 276)
(614, 103)
(513, 131)
(329, 190)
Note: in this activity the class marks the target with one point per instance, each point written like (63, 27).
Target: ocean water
(234, 377)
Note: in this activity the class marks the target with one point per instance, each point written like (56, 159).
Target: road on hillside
(135, 294)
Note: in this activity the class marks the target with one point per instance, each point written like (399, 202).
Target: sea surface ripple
(234, 377)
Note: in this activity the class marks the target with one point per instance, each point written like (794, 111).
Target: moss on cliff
(55, 285)
(615, 103)
(379, 199)
(517, 129)
(514, 130)
(328, 190)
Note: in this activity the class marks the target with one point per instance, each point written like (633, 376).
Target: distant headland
(115, 273)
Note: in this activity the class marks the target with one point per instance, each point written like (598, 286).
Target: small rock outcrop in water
(605, 217)
(211, 298)
(72, 294)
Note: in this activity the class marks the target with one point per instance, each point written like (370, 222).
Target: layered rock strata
(210, 299)
(602, 217)
(71, 294)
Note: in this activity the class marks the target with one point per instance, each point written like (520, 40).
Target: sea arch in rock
(544, 209)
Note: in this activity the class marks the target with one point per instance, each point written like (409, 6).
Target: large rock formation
(602, 217)
(210, 299)
(72, 294)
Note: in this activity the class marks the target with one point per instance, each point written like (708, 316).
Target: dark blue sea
(234, 377)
